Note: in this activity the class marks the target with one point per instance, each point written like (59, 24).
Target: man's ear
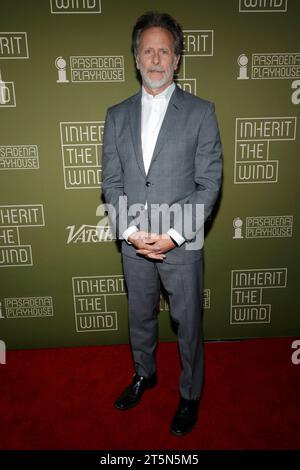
(176, 62)
(137, 62)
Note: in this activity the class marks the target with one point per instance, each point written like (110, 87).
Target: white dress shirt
(154, 108)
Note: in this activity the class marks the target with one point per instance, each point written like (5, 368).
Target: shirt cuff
(128, 232)
(177, 237)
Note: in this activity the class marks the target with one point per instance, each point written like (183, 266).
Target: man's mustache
(155, 69)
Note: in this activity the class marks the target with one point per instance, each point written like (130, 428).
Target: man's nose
(155, 58)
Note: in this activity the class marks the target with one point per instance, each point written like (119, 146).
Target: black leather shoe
(185, 417)
(133, 393)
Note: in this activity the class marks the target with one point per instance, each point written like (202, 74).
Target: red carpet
(62, 399)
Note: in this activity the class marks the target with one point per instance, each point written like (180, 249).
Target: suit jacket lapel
(169, 122)
(135, 118)
(168, 125)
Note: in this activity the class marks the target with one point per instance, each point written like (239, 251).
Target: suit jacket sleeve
(113, 181)
(208, 174)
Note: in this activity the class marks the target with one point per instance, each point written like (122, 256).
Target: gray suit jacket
(186, 168)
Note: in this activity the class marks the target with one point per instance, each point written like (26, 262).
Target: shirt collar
(166, 94)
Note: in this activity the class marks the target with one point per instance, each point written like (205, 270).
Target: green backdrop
(63, 63)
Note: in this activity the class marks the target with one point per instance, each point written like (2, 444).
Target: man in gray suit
(162, 165)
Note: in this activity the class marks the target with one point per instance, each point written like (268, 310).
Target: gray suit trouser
(184, 286)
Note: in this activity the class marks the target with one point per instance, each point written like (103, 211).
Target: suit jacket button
(148, 183)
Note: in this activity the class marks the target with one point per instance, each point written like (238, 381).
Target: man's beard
(155, 84)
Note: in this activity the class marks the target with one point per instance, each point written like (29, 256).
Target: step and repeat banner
(62, 64)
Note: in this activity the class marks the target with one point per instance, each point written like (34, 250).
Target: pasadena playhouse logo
(97, 299)
(75, 6)
(196, 43)
(263, 226)
(247, 287)
(13, 45)
(262, 6)
(12, 218)
(26, 307)
(81, 145)
(86, 69)
(19, 157)
(252, 147)
(270, 66)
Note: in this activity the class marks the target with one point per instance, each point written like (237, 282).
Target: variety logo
(89, 234)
